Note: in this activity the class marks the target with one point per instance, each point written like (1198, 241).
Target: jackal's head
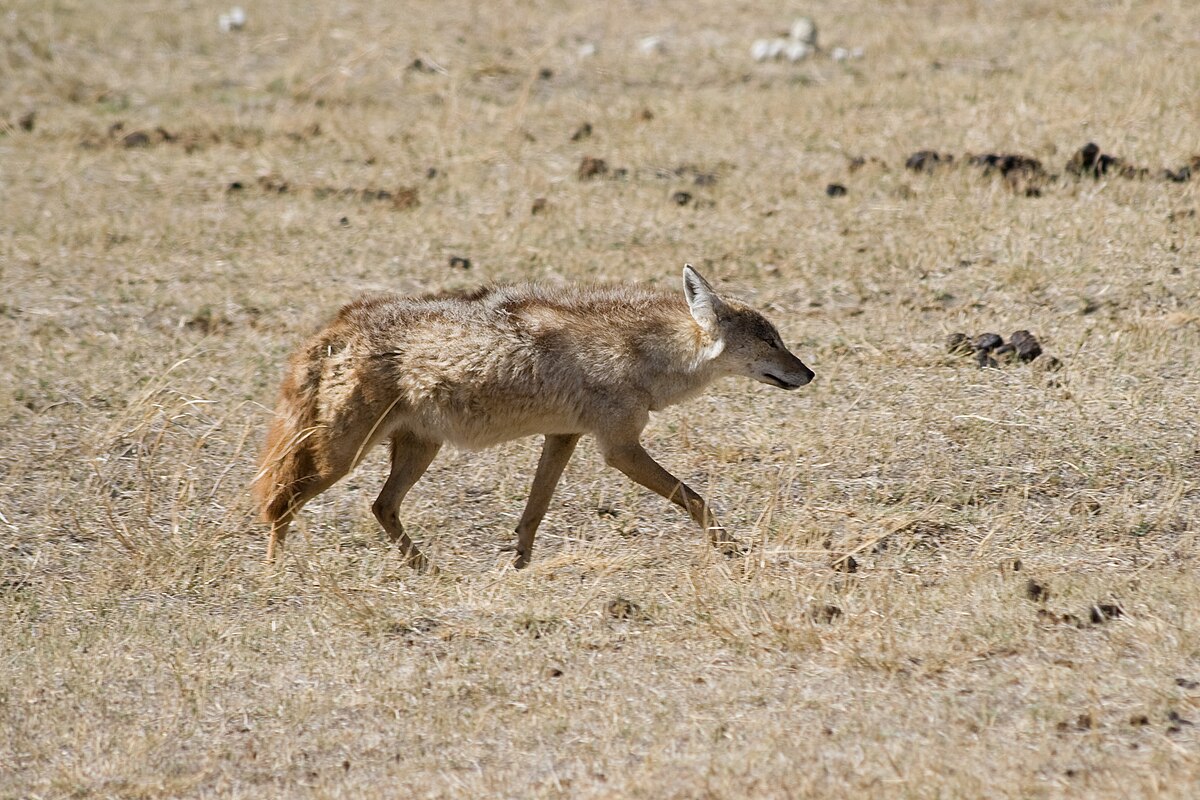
(744, 342)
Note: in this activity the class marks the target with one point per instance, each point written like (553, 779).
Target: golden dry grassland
(180, 206)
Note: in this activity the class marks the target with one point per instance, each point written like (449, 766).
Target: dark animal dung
(591, 167)
(958, 344)
(928, 160)
(987, 342)
(1026, 345)
(1088, 161)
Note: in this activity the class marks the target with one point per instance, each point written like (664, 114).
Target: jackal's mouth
(776, 381)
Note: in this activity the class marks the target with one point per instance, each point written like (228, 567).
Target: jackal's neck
(705, 350)
(686, 367)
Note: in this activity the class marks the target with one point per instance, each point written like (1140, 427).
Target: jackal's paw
(417, 560)
(725, 544)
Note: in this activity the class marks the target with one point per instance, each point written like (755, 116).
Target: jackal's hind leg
(556, 452)
(633, 460)
(411, 456)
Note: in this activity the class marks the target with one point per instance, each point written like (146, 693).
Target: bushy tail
(289, 461)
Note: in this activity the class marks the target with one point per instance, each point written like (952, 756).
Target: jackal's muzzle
(789, 376)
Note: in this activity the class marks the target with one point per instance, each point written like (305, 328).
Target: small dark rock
(958, 344)
(539, 205)
(927, 160)
(1184, 683)
(458, 262)
(344, 222)
(1037, 592)
(620, 174)
(235, 186)
(431, 173)
(582, 132)
(135, 139)
(835, 190)
(554, 672)
(987, 342)
(1026, 345)
(681, 198)
(705, 179)
(1139, 720)
(1103, 612)
(846, 564)
(420, 65)
(608, 512)
(545, 73)
(1181, 175)
(25, 121)
(590, 167)
(824, 614)
(620, 608)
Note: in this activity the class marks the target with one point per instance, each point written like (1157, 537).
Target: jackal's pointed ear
(701, 299)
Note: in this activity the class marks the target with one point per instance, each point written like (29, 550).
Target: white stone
(804, 30)
(652, 45)
(233, 20)
(760, 50)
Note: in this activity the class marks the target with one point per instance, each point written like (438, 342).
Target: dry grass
(148, 310)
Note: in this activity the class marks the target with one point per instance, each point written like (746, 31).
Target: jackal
(479, 368)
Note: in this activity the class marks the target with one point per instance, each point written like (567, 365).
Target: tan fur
(483, 367)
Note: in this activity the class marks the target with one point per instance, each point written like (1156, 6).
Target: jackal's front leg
(556, 452)
(633, 460)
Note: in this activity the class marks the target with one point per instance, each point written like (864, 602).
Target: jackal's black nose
(803, 379)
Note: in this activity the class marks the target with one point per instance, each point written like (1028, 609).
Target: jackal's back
(494, 364)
